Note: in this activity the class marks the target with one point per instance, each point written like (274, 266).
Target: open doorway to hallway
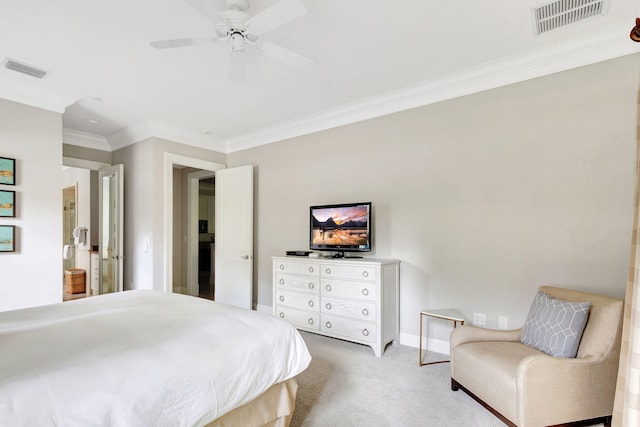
(206, 238)
(233, 228)
(194, 227)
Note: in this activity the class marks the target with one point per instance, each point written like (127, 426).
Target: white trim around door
(171, 160)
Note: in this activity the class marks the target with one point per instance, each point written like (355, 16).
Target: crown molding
(551, 57)
(608, 43)
(85, 139)
(152, 128)
(82, 163)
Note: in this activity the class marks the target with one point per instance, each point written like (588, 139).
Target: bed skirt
(273, 408)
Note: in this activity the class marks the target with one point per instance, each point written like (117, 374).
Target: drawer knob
(281, 266)
(365, 332)
(281, 298)
(281, 315)
(311, 285)
(365, 274)
(282, 281)
(310, 303)
(310, 269)
(328, 271)
(328, 325)
(328, 305)
(328, 288)
(365, 292)
(310, 321)
(365, 312)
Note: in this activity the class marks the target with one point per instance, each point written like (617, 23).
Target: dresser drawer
(304, 319)
(348, 272)
(359, 310)
(348, 289)
(362, 331)
(297, 300)
(298, 283)
(296, 267)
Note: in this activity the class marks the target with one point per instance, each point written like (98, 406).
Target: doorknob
(244, 257)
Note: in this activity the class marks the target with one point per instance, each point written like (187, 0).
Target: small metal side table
(453, 315)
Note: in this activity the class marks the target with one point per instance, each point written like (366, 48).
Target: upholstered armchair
(527, 387)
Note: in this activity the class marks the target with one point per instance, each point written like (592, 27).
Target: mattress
(143, 358)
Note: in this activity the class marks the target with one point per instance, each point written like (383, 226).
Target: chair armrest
(571, 389)
(469, 333)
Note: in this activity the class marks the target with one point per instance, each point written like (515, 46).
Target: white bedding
(139, 358)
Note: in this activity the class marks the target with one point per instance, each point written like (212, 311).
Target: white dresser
(351, 299)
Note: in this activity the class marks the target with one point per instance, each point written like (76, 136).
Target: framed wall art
(7, 171)
(7, 238)
(7, 204)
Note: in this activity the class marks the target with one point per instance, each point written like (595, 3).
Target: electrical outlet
(479, 319)
(503, 322)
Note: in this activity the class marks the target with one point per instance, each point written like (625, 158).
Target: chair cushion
(555, 326)
(489, 369)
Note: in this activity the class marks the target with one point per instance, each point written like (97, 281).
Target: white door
(111, 218)
(234, 236)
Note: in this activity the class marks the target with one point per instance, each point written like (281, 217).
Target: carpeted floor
(346, 385)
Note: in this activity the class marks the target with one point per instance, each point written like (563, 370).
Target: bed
(147, 358)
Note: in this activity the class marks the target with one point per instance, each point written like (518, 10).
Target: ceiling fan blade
(205, 7)
(237, 66)
(275, 16)
(285, 55)
(168, 44)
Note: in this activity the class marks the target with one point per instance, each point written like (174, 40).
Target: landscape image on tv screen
(345, 226)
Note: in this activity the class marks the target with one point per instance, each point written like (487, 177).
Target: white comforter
(139, 358)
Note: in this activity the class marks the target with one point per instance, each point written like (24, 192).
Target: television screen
(341, 228)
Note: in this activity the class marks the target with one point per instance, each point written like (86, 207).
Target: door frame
(170, 161)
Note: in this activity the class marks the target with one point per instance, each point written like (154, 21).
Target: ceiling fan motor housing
(238, 4)
(234, 22)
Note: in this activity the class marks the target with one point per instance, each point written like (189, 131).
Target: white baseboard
(410, 340)
(432, 344)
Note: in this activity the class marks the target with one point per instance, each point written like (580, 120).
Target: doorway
(206, 238)
(93, 182)
(233, 229)
(194, 232)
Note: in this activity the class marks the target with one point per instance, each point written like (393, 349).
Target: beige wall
(33, 274)
(77, 152)
(483, 197)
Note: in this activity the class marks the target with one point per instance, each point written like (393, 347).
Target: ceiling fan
(240, 29)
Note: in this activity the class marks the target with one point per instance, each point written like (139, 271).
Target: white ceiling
(372, 57)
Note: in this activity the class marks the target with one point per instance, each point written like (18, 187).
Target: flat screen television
(340, 228)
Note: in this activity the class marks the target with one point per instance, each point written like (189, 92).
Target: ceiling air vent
(564, 12)
(20, 67)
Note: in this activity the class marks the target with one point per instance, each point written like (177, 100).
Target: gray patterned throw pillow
(555, 326)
